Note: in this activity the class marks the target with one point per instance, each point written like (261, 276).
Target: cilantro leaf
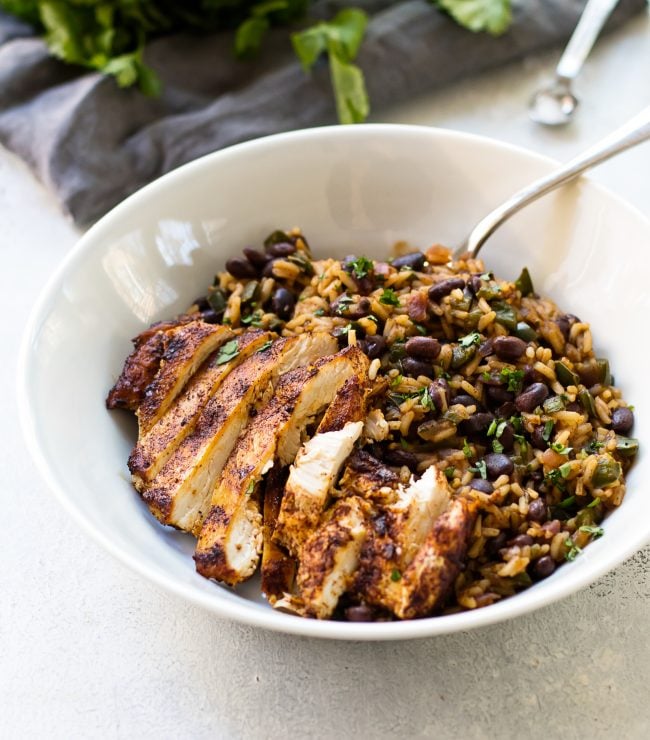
(595, 532)
(265, 346)
(480, 468)
(572, 549)
(389, 297)
(360, 266)
(228, 352)
(470, 339)
(493, 16)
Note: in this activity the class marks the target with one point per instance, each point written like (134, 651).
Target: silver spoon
(635, 131)
(554, 105)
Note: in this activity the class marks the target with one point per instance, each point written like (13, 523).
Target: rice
(547, 469)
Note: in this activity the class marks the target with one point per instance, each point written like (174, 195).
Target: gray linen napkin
(93, 143)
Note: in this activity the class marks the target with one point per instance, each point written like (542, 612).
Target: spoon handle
(591, 21)
(635, 131)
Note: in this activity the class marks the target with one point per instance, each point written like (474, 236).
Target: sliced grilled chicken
(180, 493)
(229, 545)
(141, 366)
(427, 580)
(398, 531)
(278, 568)
(155, 447)
(187, 347)
(329, 558)
(367, 477)
(318, 463)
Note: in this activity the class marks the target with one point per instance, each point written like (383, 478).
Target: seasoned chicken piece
(428, 579)
(187, 348)
(180, 493)
(230, 542)
(376, 428)
(329, 558)
(365, 476)
(319, 461)
(141, 366)
(278, 568)
(397, 533)
(155, 447)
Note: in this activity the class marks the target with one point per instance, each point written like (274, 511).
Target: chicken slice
(329, 558)
(155, 447)
(278, 568)
(180, 493)
(365, 476)
(428, 579)
(141, 366)
(397, 533)
(187, 347)
(230, 541)
(318, 463)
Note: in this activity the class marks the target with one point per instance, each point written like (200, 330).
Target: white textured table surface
(88, 649)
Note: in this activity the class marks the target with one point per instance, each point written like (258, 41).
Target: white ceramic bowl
(352, 189)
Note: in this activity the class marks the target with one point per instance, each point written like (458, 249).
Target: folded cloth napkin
(93, 143)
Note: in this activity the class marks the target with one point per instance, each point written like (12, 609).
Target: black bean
(476, 423)
(257, 259)
(374, 346)
(240, 268)
(532, 376)
(507, 410)
(509, 348)
(564, 326)
(414, 368)
(268, 269)
(475, 283)
(486, 348)
(544, 566)
(537, 438)
(478, 484)
(493, 379)
(537, 511)
(401, 457)
(201, 303)
(443, 288)
(522, 540)
(440, 394)
(283, 303)
(498, 395)
(364, 285)
(532, 397)
(361, 613)
(622, 420)
(507, 438)
(496, 464)
(281, 249)
(590, 373)
(465, 400)
(210, 316)
(494, 544)
(414, 260)
(426, 348)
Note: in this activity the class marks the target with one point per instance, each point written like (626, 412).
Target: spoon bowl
(554, 105)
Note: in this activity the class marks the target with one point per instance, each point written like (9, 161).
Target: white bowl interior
(356, 189)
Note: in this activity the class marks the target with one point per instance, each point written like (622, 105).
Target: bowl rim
(245, 612)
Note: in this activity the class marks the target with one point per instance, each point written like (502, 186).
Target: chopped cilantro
(572, 549)
(501, 428)
(485, 375)
(228, 352)
(492, 428)
(560, 448)
(594, 446)
(480, 468)
(567, 502)
(265, 346)
(514, 378)
(594, 531)
(548, 430)
(523, 444)
(361, 266)
(426, 400)
(389, 297)
(449, 472)
(253, 319)
(395, 575)
(396, 380)
(467, 450)
(497, 446)
(593, 503)
(555, 478)
(470, 339)
(565, 470)
(422, 330)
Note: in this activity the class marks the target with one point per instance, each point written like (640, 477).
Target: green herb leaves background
(110, 35)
